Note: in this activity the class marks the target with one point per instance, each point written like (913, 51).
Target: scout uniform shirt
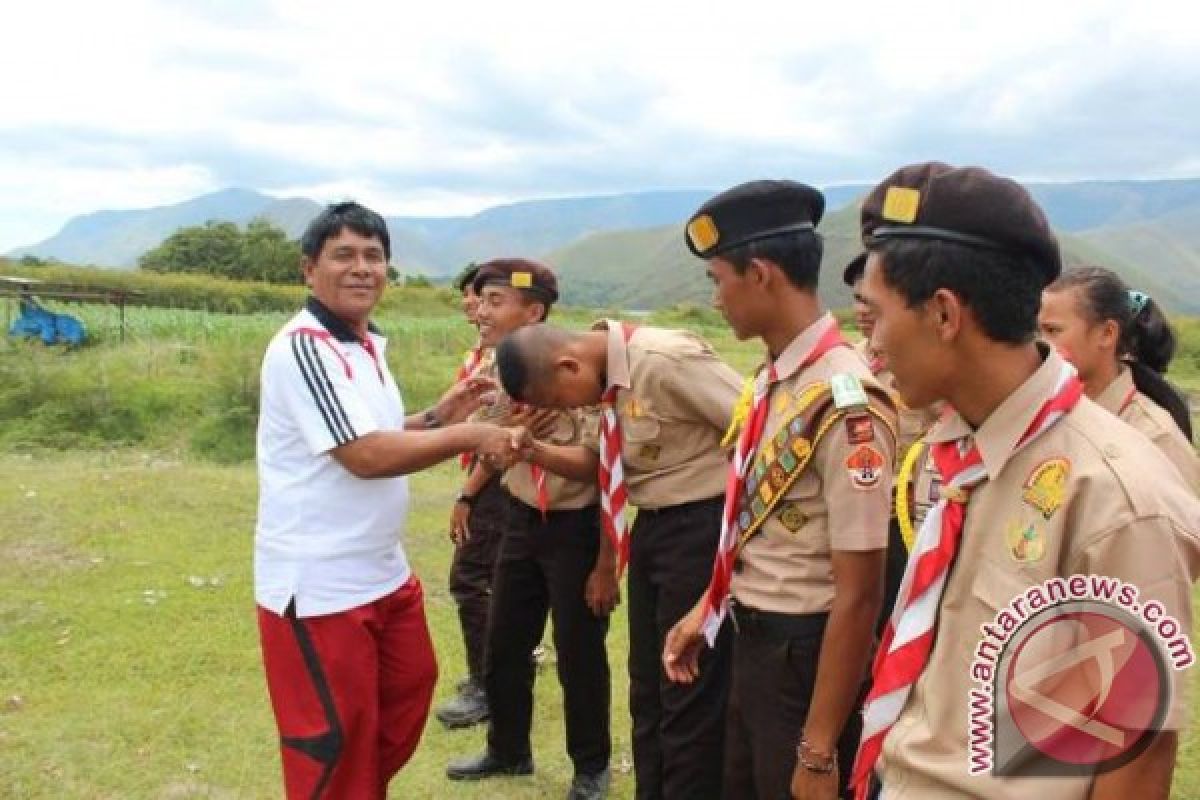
(912, 422)
(1123, 399)
(574, 426)
(1086, 497)
(674, 403)
(841, 501)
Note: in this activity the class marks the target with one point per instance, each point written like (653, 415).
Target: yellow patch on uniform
(791, 517)
(1046, 486)
(768, 453)
(801, 447)
(703, 233)
(1026, 543)
(783, 401)
(522, 280)
(900, 204)
(809, 394)
(633, 409)
(651, 452)
(865, 466)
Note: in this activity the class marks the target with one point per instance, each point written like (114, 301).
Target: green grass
(119, 678)
(134, 683)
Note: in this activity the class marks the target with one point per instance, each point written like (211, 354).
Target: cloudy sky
(440, 107)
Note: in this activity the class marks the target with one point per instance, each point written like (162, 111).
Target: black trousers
(897, 560)
(471, 572)
(542, 570)
(678, 729)
(775, 660)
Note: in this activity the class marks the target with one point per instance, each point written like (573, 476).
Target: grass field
(129, 663)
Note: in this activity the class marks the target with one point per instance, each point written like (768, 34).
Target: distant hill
(625, 250)
(652, 267)
(118, 238)
(437, 246)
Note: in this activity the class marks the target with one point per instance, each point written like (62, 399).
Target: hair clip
(1137, 301)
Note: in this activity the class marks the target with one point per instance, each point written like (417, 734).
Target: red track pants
(351, 692)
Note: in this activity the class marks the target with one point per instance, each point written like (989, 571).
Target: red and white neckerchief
(743, 456)
(908, 638)
(470, 361)
(876, 364)
(614, 494)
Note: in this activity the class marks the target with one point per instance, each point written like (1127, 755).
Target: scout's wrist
(431, 419)
(467, 500)
(821, 760)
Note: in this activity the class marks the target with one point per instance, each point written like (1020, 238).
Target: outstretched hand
(462, 399)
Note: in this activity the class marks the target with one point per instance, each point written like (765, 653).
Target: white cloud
(442, 107)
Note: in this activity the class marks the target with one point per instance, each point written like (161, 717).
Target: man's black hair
(797, 254)
(338, 216)
(1003, 290)
(466, 277)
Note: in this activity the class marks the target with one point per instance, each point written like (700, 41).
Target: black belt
(747, 620)
(682, 506)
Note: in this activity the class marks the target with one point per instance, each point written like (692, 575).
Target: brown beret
(752, 211)
(964, 205)
(531, 277)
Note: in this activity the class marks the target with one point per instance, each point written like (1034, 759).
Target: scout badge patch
(1046, 486)
(1026, 544)
(865, 466)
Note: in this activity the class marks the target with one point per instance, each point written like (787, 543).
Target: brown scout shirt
(675, 401)
(1120, 513)
(1123, 399)
(571, 427)
(786, 566)
(913, 422)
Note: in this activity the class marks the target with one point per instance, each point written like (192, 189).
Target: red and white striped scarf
(739, 468)
(908, 638)
(613, 492)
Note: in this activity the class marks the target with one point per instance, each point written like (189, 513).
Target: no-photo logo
(1072, 686)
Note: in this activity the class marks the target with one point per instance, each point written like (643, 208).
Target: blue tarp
(51, 328)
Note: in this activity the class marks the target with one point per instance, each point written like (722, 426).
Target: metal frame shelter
(18, 287)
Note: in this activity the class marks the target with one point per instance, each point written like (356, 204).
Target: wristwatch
(469, 499)
(431, 419)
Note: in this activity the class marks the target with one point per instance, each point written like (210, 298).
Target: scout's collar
(999, 434)
(617, 368)
(1116, 395)
(801, 347)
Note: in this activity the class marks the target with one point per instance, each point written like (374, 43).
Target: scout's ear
(946, 313)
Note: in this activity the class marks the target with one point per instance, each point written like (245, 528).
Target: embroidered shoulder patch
(1046, 486)
(859, 429)
(848, 391)
(865, 466)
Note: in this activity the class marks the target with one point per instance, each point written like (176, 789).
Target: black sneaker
(589, 787)
(469, 707)
(487, 765)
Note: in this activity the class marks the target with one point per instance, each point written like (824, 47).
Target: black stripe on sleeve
(321, 376)
(318, 398)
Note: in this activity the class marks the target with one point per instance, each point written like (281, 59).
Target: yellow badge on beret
(1026, 544)
(1046, 486)
(900, 204)
(703, 233)
(522, 280)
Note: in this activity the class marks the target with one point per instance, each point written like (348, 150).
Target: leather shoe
(469, 707)
(487, 766)
(589, 787)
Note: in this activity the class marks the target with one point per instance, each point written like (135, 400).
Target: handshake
(501, 446)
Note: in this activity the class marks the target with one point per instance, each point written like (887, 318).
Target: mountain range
(626, 250)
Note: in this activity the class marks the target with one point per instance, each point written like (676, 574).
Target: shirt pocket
(641, 439)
